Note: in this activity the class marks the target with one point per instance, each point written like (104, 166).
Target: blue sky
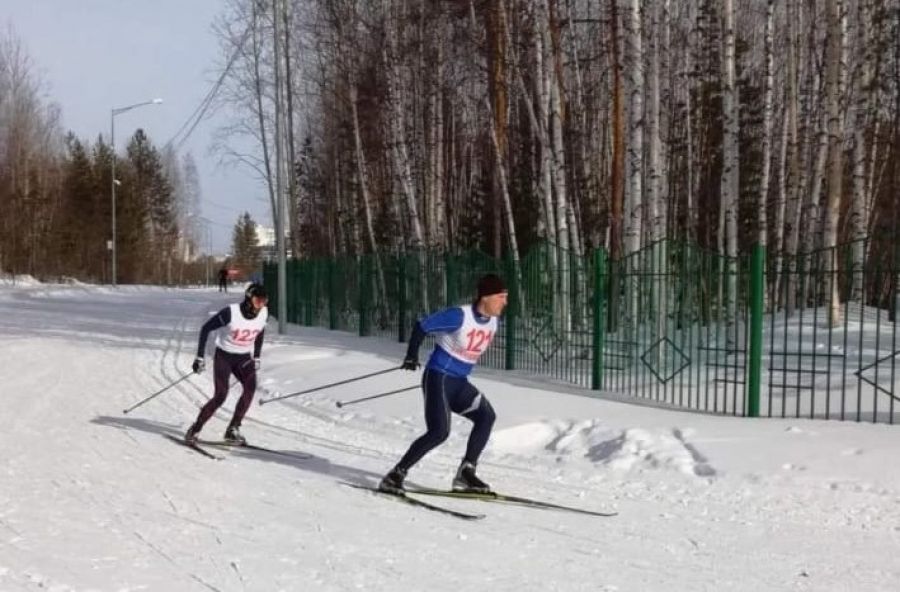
(94, 55)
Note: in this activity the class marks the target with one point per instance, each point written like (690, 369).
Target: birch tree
(730, 164)
(834, 64)
(859, 199)
(768, 95)
(634, 197)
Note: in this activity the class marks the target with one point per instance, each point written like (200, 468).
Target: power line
(220, 206)
(203, 107)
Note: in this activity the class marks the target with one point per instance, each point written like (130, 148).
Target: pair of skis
(410, 497)
(229, 445)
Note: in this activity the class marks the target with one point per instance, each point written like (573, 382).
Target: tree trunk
(634, 197)
(859, 204)
(796, 174)
(730, 167)
(617, 172)
(833, 90)
(497, 109)
(654, 172)
(361, 170)
(260, 111)
(768, 90)
(290, 143)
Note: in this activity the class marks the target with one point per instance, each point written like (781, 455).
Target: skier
(238, 348)
(223, 280)
(462, 335)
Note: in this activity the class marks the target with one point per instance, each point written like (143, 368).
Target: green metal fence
(677, 320)
(671, 323)
(547, 328)
(831, 337)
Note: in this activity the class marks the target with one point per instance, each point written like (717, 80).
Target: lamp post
(112, 140)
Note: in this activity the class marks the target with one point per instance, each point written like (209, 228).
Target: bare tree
(634, 197)
(768, 117)
(730, 164)
(834, 75)
(863, 90)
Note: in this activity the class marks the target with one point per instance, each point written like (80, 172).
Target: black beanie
(257, 290)
(489, 285)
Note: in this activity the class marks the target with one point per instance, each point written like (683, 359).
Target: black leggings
(443, 394)
(224, 365)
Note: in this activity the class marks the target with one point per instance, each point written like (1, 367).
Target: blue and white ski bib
(461, 337)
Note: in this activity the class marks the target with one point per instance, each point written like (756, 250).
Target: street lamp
(112, 139)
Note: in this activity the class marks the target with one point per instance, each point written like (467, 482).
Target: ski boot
(233, 436)
(393, 481)
(191, 436)
(466, 481)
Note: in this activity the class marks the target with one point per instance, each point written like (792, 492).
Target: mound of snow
(632, 449)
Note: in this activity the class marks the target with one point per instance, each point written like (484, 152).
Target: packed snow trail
(92, 499)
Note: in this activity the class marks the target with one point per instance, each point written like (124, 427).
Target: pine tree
(132, 238)
(101, 157)
(75, 231)
(148, 228)
(245, 244)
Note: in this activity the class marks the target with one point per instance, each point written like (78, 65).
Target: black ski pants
(443, 394)
(225, 365)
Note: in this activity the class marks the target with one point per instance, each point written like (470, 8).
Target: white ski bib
(467, 343)
(240, 334)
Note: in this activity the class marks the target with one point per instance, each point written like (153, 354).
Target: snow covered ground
(93, 499)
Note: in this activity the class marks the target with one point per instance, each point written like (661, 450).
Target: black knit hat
(490, 284)
(257, 290)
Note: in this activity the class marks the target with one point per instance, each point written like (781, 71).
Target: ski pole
(354, 401)
(156, 394)
(325, 386)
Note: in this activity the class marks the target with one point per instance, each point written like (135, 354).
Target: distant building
(266, 240)
(265, 236)
(186, 249)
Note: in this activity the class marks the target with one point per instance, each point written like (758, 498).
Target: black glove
(256, 364)
(410, 363)
(199, 365)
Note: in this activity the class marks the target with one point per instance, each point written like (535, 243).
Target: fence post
(449, 280)
(312, 277)
(293, 296)
(302, 279)
(363, 286)
(305, 274)
(512, 312)
(757, 285)
(599, 331)
(270, 279)
(332, 301)
(401, 297)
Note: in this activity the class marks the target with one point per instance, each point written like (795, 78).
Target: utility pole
(279, 178)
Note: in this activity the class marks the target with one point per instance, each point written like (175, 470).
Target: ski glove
(256, 364)
(199, 365)
(410, 363)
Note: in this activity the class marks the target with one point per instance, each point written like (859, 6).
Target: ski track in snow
(92, 499)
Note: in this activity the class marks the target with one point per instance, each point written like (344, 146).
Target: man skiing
(462, 334)
(238, 348)
(223, 280)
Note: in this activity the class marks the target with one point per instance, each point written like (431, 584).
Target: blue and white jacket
(461, 336)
